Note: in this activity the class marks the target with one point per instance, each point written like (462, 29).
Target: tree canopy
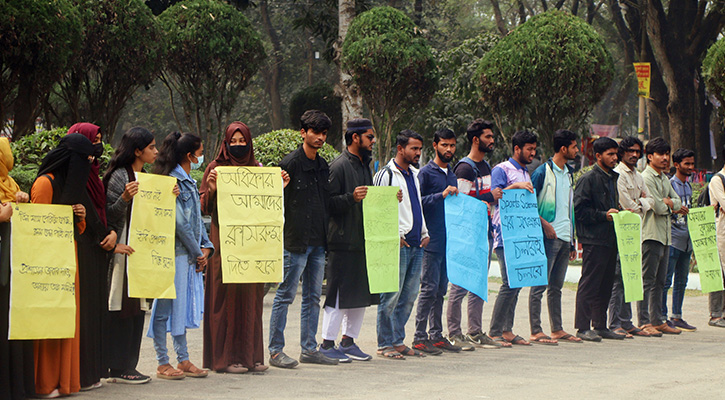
(546, 74)
(713, 69)
(212, 52)
(393, 65)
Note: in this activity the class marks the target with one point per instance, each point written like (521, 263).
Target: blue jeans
(160, 321)
(679, 266)
(310, 266)
(394, 309)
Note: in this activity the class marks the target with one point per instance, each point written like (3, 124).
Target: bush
(270, 148)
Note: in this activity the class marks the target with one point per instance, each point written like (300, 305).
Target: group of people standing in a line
(324, 239)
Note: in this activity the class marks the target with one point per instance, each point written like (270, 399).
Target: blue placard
(467, 243)
(523, 239)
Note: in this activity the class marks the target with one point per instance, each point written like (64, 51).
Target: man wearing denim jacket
(554, 194)
(395, 307)
(306, 201)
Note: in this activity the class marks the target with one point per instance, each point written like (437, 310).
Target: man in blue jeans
(306, 200)
(394, 309)
(681, 246)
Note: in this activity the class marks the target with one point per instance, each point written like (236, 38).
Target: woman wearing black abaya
(94, 248)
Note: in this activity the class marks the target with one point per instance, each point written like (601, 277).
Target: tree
(121, 52)
(713, 69)
(212, 51)
(546, 74)
(392, 65)
(37, 40)
(320, 96)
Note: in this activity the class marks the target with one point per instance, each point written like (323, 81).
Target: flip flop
(626, 334)
(569, 338)
(407, 351)
(519, 341)
(638, 332)
(391, 353)
(504, 343)
(541, 340)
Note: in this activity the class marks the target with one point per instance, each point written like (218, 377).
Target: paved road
(690, 365)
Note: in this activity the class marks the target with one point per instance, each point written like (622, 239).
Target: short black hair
(563, 138)
(476, 128)
(627, 143)
(603, 144)
(521, 138)
(404, 137)
(315, 120)
(443, 133)
(681, 154)
(657, 145)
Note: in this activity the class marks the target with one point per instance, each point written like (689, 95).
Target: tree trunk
(352, 102)
(418, 12)
(25, 107)
(272, 77)
(500, 22)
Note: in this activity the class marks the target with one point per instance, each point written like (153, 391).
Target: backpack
(704, 198)
(390, 171)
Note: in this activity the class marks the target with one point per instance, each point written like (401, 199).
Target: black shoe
(282, 360)
(589, 335)
(315, 357)
(131, 377)
(426, 347)
(607, 334)
(445, 345)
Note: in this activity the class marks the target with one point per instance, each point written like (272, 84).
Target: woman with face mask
(180, 154)
(233, 339)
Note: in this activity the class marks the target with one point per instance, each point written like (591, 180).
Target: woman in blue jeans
(180, 154)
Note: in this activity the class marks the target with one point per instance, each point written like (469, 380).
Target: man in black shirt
(306, 200)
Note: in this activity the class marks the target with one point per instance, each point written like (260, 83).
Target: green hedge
(270, 148)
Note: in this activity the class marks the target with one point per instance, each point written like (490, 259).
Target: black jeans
(595, 286)
(620, 313)
(433, 285)
(655, 260)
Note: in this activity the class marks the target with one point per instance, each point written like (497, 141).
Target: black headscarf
(70, 168)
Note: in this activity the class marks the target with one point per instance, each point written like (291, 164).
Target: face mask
(238, 151)
(197, 164)
(98, 150)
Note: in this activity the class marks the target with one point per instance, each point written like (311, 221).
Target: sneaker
(607, 334)
(445, 345)
(132, 377)
(330, 356)
(483, 340)
(355, 353)
(281, 360)
(426, 347)
(717, 322)
(682, 325)
(460, 341)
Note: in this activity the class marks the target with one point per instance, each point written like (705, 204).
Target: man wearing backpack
(394, 309)
(716, 189)
(474, 179)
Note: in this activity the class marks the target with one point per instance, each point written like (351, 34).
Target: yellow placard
(251, 223)
(151, 233)
(642, 70)
(43, 277)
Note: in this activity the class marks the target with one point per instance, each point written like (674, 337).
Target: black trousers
(595, 286)
(122, 342)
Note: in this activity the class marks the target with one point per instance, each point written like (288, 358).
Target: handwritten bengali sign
(628, 227)
(152, 234)
(382, 238)
(251, 222)
(467, 243)
(703, 233)
(523, 239)
(43, 277)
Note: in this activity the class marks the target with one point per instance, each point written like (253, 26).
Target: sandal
(626, 334)
(637, 332)
(504, 343)
(545, 340)
(191, 370)
(519, 341)
(407, 351)
(569, 338)
(168, 372)
(391, 353)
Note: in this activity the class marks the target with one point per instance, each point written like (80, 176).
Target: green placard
(703, 232)
(382, 240)
(628, 227)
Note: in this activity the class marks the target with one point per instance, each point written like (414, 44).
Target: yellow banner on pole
(643, 78)
(152, 233)
(43, 277)
(251, 223)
